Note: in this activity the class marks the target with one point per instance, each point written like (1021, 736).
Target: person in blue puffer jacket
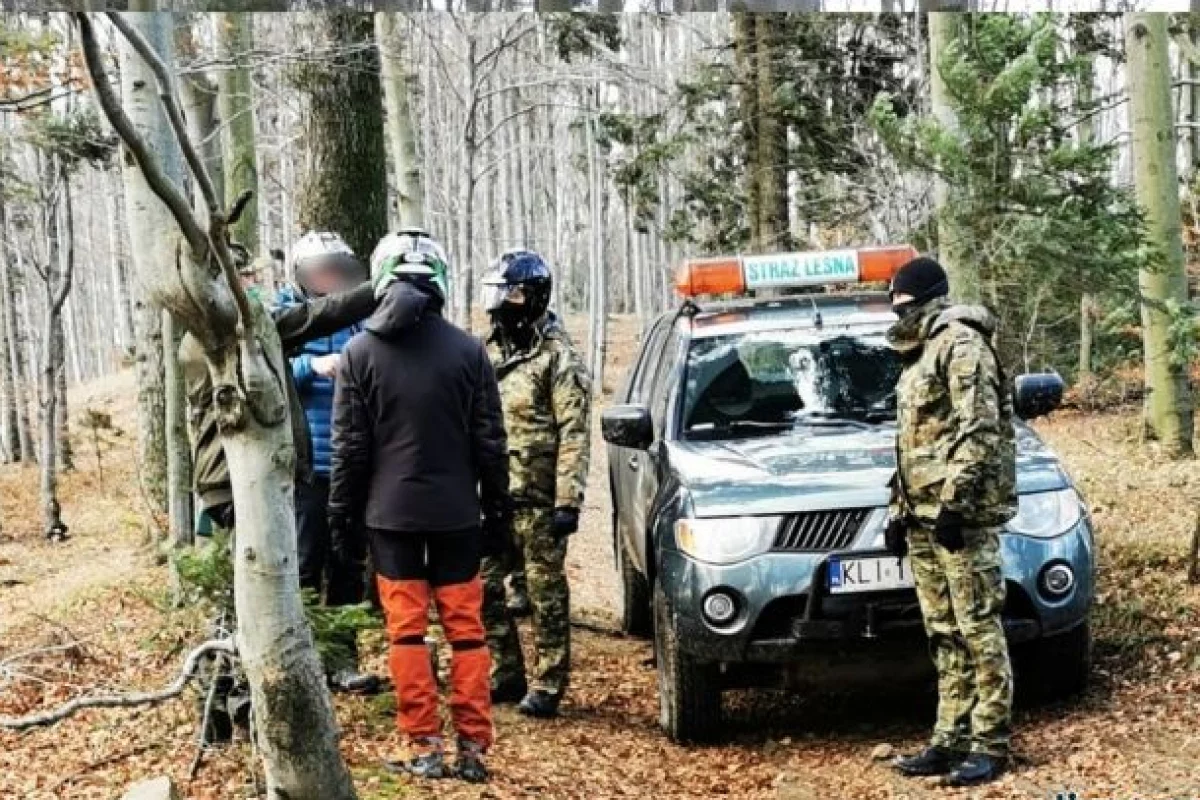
(322, 263)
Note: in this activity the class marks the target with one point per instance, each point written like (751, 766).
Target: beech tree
(189, 270)
(1166, 315)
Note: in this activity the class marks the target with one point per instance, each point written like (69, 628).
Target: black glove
(223, 515)
(895, 537)
(565, 522)
(347, 541)
(497, 535)
(948, 530)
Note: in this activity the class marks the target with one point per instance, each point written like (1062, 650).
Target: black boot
(540, 704)
(351, 681)
(428, 764)
(976, 769)
(511, 691)
(469, 766)
(932, 760)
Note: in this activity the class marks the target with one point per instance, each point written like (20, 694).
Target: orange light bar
(722, 275)
(882, 263)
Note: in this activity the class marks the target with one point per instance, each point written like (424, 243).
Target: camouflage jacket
(956, 447)
(546, 394)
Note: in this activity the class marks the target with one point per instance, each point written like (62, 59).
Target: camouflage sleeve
(973, 382)
(571, 394)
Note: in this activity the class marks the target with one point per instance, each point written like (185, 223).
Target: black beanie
(923, 279)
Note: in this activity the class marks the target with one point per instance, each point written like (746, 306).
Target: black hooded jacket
(418, 431)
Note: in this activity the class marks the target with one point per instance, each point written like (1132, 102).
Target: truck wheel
(635, 597)
(689, 696)
(1058, 667)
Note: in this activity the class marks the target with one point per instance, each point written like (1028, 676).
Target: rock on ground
(154, 789)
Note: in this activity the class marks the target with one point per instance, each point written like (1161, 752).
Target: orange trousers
(460, 609)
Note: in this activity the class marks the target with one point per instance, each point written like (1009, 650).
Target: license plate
(886, 573)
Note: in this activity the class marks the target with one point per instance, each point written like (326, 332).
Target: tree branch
(131, 700)
(159, 183)
(167, 95)
(492, 131)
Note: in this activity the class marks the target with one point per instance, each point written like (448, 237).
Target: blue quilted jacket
(316, 393)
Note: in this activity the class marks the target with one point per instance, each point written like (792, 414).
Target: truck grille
(820, 530)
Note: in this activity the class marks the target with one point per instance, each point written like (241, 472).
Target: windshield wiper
(830, 421)
(709, 429)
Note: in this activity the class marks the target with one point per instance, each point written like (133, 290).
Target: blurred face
(325, 277)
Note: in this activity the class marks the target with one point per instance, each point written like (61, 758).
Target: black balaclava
(923, 279)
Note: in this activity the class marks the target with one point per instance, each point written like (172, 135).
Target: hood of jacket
(403, 307)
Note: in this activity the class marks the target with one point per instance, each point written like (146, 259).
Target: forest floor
(94, 614)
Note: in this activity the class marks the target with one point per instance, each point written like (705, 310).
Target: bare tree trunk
(179, 454)
(293, 716)
(410, 190)
(235, 38)
(62, 421)
(22, 380)
(151, 389)
(119, 274)
(599, 275)
(746, 60)
(1087, 303)
(1164, 285)
(10, 438)
(944, 30)
(58, 277)
(345, 188)
(774, 224)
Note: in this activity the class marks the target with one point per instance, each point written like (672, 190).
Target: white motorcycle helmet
(324, 249)
(410, 251)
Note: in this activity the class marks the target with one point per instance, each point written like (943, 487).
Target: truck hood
(814, 469)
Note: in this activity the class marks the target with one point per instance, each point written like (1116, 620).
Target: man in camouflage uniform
(546, 394)
(955, 487)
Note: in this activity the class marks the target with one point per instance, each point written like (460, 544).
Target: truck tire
(689, 695)
(635, 597)
(1057, 667)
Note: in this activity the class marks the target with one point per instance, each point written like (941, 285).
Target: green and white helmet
(410, 251)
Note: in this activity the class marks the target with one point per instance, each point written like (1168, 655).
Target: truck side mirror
(627, 426)
(1038, 394)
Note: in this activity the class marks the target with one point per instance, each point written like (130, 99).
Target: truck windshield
(766, 381)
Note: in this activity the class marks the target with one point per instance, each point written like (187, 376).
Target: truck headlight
(1047, 514)
(726, 540)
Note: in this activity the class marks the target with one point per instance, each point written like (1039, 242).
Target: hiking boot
(540, 704)
(429, 762)
(510, 691)
(519, 605)
(351, 681)
(469, 766)
(932, 760)
(976, 769)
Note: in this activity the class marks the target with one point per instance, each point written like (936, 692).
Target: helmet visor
(497, 294)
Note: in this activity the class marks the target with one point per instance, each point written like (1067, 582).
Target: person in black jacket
(419, 459)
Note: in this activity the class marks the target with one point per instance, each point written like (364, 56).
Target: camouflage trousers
(961, 596)
(549, 596)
